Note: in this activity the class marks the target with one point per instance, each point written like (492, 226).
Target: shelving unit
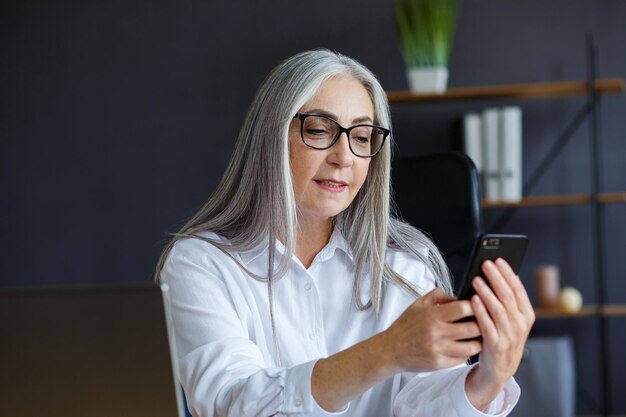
(557, 200)
(592, 89)
(608, 310)
(513, 91)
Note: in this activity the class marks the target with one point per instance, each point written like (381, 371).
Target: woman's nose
(340, 153)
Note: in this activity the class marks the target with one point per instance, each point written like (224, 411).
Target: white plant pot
(427, 79)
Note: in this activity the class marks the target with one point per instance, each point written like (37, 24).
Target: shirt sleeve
(442, 394)
(222, 371)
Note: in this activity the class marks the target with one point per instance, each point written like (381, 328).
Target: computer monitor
(96, 352)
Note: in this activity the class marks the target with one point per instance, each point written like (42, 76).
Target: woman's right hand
(426, 336)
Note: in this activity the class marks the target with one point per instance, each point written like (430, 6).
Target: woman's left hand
(505, 316)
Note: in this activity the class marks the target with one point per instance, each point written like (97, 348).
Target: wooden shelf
(610, 415)
(609, 310)
(557, 200)
(512, 91)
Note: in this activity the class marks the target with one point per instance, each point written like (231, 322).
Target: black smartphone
(491, 247)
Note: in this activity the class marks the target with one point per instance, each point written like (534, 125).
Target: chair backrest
(440, 195)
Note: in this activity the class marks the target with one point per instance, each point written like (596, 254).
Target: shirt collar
(337, 241)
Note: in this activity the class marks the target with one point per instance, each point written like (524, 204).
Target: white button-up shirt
(227, 360)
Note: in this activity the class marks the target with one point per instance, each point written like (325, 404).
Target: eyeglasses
(321, 132)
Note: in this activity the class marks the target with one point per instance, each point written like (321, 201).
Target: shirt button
(297, 402)
(312, 336)
(307, 286)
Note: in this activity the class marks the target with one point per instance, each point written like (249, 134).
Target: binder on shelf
(510, 154)
(493, 140)
(491, 153)
(472, 140)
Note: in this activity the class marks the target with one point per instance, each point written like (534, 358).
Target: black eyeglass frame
(303, 116)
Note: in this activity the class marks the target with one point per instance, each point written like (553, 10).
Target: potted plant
(425, 30)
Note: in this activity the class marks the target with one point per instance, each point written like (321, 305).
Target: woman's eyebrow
(363, 119)
(330, 115)
(321, 113)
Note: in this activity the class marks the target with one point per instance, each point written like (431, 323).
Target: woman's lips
(332, 185)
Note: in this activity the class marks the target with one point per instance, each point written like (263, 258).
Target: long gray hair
(255, 201)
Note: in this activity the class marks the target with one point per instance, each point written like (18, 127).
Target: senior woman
(294, 290)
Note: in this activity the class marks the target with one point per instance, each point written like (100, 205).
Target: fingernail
(478, 281)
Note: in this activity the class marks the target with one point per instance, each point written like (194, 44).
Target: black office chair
(440, 195)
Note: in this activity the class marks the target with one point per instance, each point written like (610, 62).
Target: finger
(463, 349)
(443, 362)
(519, 291)
(492, 305)
(455, 310)
(437, 296)
(500, 285)
(464, 330)
(485, 322)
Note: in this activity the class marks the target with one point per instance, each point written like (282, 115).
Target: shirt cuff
(499, 407)
(298, 396)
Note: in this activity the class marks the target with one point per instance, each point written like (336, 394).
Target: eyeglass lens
(320, 132)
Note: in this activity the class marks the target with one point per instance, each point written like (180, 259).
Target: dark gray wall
(117, 119)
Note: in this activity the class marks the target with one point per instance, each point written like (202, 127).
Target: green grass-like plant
(425, 29)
